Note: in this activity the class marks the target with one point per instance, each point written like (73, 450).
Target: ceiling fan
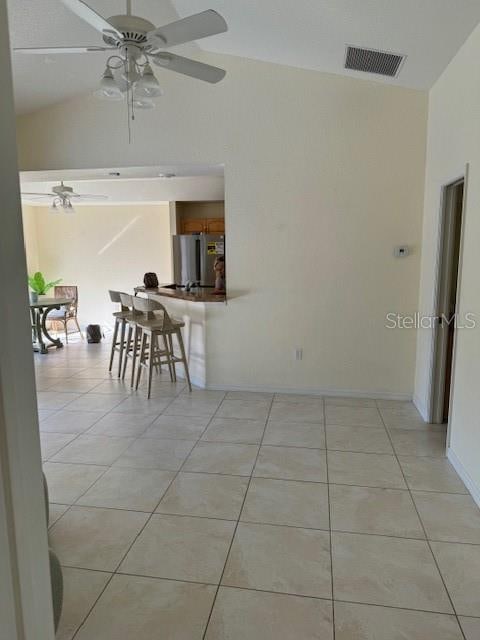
(62, 197)
(136, 43)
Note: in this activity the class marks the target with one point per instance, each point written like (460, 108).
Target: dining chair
(67, 313)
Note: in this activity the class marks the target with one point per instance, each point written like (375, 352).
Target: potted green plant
(39, 286)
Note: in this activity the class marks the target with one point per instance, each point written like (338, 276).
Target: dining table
(39, 310)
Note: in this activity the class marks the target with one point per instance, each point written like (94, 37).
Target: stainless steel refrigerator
(194, 257)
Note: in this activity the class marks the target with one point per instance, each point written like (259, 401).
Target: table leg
(42, 347)
(34, 326)
(55, 341)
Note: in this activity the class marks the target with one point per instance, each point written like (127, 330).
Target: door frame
(436, 399)
(25, 588)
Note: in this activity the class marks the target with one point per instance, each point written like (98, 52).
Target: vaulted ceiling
(305, 33)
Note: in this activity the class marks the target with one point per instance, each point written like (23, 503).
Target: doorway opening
(453, 197)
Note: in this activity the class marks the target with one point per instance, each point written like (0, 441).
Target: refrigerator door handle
(198, 258)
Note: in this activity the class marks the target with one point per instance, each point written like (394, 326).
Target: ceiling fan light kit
(61, 204)
(148, 84)
(109, 89)
(143, 103)
(135, 43)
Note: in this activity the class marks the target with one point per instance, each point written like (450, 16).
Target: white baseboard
(380, 395)
(340, 393)
(465, 476)
(421, 408)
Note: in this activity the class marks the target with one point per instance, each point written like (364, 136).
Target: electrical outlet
(298, 353)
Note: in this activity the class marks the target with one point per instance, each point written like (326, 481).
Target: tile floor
(238, 515)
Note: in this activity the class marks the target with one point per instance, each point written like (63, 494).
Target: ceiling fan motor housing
(133, 29)
(62, 190)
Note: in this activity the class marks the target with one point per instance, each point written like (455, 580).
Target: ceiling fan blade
(53, 50)
(200, 25)
(87, 196)
(82, 10)
(38, 195)
(188, 67)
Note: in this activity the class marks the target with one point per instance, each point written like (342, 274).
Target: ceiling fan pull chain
(132, 98)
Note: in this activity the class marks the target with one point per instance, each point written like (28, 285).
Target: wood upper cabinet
(193, 225)
(203, 225)
(215, 225)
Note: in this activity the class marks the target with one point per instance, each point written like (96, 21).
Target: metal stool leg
(151, 358)
(114, 344)
(141, 361)
(127, 350)
(137, 337)
(168, 356)
(122, 346)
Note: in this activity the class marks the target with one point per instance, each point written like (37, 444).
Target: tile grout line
(115, 572)
(265, 444)
(175, 472)
(250, 478)
(236, 475)
(65, 409)
(286, 593)
(84, 619)
(82, 433)
(238, 520)
(426, 537)
(108, 467)
(329, 520)
(261, 522)
(111, 576)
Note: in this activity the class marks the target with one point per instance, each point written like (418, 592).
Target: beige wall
(454, 141)
(30, 237)
(103, 247)
(201, 209)
(324, 175)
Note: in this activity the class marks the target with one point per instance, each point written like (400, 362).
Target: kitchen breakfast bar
(195, 298)
(198, 309)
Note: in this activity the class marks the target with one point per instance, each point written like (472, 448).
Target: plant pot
(33, 297)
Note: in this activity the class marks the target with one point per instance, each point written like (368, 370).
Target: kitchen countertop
(199, 294)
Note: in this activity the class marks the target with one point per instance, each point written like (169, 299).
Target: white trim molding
(464, 475)
(421, 407)
(340, 393)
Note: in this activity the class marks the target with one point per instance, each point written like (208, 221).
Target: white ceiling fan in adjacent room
(135, 43)
(61, 197)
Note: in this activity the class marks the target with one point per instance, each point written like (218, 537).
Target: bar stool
(149, 331)
(173, 327)
(118, 344)
(154, 327)
(132, 345)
